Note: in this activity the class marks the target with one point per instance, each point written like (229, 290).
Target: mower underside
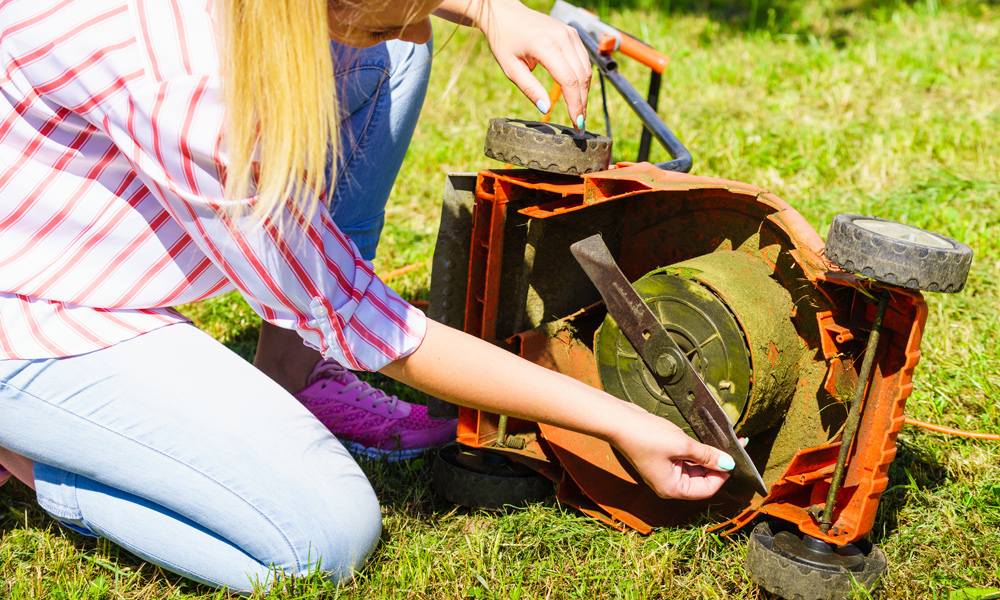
(738, 279)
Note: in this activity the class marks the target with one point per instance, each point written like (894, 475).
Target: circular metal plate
(907, 233)
(706, 332)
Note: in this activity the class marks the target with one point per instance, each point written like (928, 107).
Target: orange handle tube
(554, 94)
(949, 431)
(403, 270)
(653, 59)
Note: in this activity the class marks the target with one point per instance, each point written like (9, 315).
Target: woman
(139, 173)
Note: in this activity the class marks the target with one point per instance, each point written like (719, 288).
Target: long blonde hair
(281, 105)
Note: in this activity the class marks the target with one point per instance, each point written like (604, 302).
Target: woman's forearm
(474, 13)
(463, 12)
(468, 371)
(471, 372)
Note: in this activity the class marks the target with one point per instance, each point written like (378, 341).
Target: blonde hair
(282, 114)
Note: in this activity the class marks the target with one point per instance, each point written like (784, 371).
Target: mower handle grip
(598, 29)
(647, 55)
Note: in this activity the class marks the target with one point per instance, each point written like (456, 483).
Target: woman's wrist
(474, 13)
(616, 421)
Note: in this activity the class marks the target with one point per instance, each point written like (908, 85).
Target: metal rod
(502, 431)
(854, 416)
(604, 104)
(653, 100)
(609, 68)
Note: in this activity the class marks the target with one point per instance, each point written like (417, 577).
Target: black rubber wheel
(547, 147)
(479, 479)
(773, 568)
(897, 254)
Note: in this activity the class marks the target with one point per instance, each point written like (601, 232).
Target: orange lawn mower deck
(804, 345)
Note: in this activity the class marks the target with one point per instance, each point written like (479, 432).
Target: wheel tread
(555, 149)
(897, 262)
(795, 581)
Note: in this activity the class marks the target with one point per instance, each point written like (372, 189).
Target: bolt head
(666, 366)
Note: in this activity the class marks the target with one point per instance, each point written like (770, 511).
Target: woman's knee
(327, 534)
(341, 531)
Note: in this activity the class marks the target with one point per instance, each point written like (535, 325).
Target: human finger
(586, 69)
(574, 79)
(521, 76)
(706, 456)
(695, 482)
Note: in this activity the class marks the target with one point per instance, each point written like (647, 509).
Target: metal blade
(668, 364)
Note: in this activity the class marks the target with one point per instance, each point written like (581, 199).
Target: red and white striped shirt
(111, 200)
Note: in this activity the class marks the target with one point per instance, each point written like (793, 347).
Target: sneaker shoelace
(334, 370)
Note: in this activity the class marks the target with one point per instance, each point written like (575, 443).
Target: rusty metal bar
(854, 416)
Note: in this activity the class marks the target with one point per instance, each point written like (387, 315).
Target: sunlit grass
(888, 109)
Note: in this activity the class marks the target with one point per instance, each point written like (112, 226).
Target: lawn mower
(708, 302)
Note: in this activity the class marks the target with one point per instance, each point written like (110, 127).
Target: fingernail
(543, 106)
(580, 123)
(726, 462)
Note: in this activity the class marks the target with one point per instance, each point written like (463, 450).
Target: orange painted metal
(650, 57)
(606, 44)
(666, 218)
(807, 479)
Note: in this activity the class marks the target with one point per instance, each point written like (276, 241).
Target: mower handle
(642, 107)
(619, 40)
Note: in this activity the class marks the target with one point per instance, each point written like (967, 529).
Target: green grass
(883, 108)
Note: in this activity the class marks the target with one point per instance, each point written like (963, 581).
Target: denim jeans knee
(180, 451)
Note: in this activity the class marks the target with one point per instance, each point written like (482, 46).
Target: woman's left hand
(521, 38)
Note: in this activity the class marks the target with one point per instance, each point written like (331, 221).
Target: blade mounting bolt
(666, 366)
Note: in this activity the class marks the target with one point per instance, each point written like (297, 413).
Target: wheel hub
(804, 567)
(733, 322)
(706, 333)
(480, 479)
(817, 553)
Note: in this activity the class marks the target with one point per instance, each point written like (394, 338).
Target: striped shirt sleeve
(305, 275)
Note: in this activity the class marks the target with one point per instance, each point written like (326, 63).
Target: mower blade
(652, 342)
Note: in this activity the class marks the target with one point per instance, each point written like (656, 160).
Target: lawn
(882, 108)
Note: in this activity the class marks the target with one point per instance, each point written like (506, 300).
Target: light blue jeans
(180, 451)
(382, 90)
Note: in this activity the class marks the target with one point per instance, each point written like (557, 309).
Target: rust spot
(773, 354)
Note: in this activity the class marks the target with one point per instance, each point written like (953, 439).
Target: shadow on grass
(786, 18)
(32, 542)
(405, 486)
(914, 468)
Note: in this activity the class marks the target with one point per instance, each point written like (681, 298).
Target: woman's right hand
(521, 38)
(672, 463)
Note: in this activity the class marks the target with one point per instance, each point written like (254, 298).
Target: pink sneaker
(367, 420)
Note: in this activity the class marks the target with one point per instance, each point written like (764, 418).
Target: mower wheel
(479, 479)
(797, 567)
(547, 147)
(897, 254)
